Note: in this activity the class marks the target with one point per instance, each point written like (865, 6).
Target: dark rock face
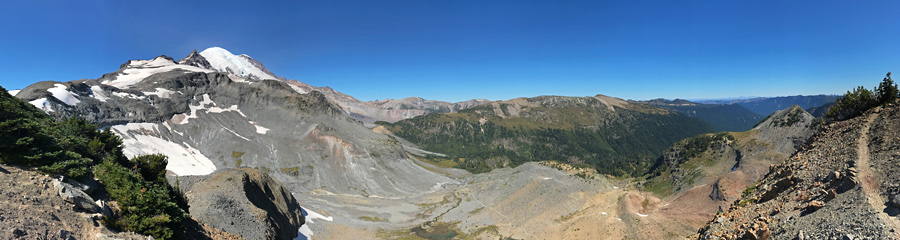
(248, 203)
(716, 193)
(195, 59)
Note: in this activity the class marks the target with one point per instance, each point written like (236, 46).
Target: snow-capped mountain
(241, 65)
(205, 119)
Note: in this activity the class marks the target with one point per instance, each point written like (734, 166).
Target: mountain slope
(723, 117)
(736, 158)
(841, 185)
(206, 120)
(615, 136)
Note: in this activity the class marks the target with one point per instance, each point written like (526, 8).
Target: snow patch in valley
(305, 231)
(98, 93)
(183, 158)
(13, 92)
(42, 104)
(62, 93)
(642, 215)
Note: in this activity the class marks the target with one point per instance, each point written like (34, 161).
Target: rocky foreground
(843, 185)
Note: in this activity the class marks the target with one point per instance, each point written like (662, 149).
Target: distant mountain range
(768, 105)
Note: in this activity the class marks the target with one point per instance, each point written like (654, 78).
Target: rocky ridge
(246, 202)
(839, 186)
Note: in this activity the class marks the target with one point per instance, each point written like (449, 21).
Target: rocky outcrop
(838, 186)
(716, 193)
(246, 202)
(195, 59)
(787, 129)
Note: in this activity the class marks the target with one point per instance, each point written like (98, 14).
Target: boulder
(75, 196)
(87, 186)
(246, 202)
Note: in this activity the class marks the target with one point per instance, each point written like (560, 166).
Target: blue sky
(459, 50)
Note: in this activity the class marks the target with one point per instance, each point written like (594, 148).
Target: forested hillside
(611, 135)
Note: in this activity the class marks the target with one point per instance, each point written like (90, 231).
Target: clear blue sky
(459, 50)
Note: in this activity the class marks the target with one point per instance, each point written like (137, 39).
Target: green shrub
(145, 207)
(854, 103)
(73, 146)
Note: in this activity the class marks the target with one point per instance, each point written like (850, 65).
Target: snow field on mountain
(161, 92)
(61, 93)
(223, 60)
(98, 93)
(183, 158)
(42, 104)
(213, 109)
(140, 69)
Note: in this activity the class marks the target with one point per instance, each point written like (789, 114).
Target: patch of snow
(99, 94)
(299, 89)
(171, 129)
(259, 129)
(62, 93)
(614, 187)
(135, 73)
(233, 108)
(223, 61)
(547, 178)
(183, 158)
(128, 95)
(603, 213)
(232, 132)
(203, 106)
(154, 63)
(13, 92)
(642, 215)
(42, 104)
(161, 92)
(305, 231)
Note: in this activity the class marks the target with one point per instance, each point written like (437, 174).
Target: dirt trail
(869, 183)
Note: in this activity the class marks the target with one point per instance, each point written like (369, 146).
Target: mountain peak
(195, 59)
(243, 65)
